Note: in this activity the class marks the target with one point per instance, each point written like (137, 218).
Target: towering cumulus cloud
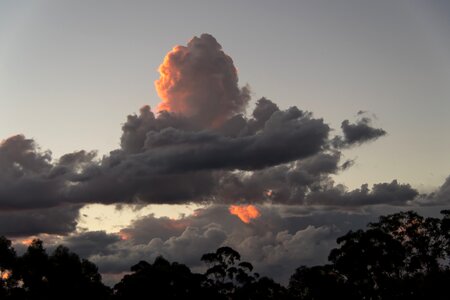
(200, 81)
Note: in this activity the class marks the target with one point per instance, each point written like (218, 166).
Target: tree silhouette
(161, 280)
(445, 231)
(421, 238)
(226, 272)
(263, 288)
(402, 256)
(33, 268)
(7, 254)
(370, 261)
(318, 282)
(36, 275)
(69, 275)
(8, 280)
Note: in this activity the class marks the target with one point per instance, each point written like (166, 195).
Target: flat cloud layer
(202, 147)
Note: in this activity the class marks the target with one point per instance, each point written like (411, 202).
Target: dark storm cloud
(59, 220)
(288, 183)
(128, 181)
(169, 144)
(90, 243)
(25, 175)
(439, 197)
(135, 129)
(307, 182)
(144, 229)
(176, 162)
(173, 150)
(357, 133)
(391, 193)
(30, 179)
(442, 195)
(167, 159)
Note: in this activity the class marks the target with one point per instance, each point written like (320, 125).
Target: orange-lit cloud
(200, 81)
(245, 212)
(27, 242)
(5, 275)
(169, 77)
(123, 235)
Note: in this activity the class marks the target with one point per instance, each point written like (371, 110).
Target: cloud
(174, 150)
(59, 220)
(186, 247)
(439, 197)
(443, 193)
(200, 81)
(280, 240)
(391, 193)
(277, 253)
(25, 179)
(284, 184)
(276, 243)
(200, 147)
(175, 163)
(144, 229)
(90, 243)
(357, 133)
(30, 179)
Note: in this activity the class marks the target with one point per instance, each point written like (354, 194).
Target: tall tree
(161, 280)
(226, 272)
(421, 239)
(7, 263)
(318, 282)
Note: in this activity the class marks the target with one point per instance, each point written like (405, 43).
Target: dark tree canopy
(61, 275)
(318, 282)
(402, 256)
(161, 280)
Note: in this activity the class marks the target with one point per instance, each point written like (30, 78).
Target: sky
(77, 77)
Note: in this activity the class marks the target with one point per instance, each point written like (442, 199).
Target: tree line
(402, 256)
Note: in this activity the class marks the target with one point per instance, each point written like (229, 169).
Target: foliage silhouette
(318, 282)
(402, 256)
(62, 275)
(7, 263)
(162, 280)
